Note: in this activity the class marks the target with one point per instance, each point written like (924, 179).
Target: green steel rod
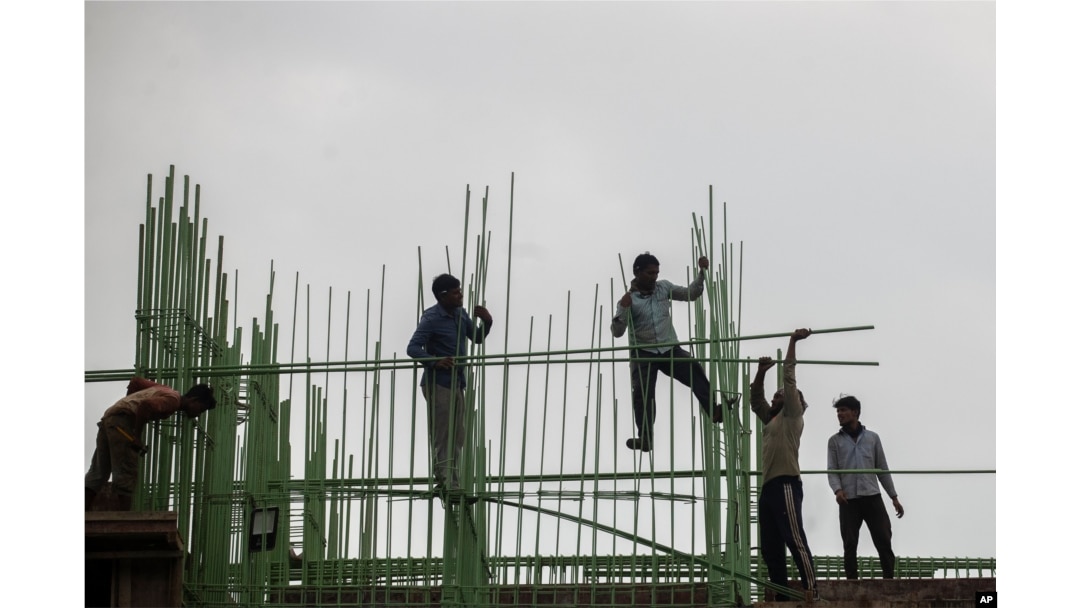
(453, 529)
(524, 444)
(418, 494)
(390, 460)
(411, 503)
(310, 449)
(614, 400)
(473, 358)
(694, 319)
(158, 270)
(694, 324)
(221, 277)
(471, 551)
(412, 422)
(201, 287)
(718, 307)
(714, 444)
(169, 248)
(634, 461)
(465, 234)
(416, 370)
(562, 435)
(506, 376)
(588, 404)
(539, 478)
(543, 423)
(336, 455)
(377, 385)
(369, 430)
(140, 293)
(391, 364)
(344, 533)
(159, 258)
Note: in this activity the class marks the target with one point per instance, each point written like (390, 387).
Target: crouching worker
(119, 436)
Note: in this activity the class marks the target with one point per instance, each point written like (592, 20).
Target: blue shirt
(863, 451)
(441, 333)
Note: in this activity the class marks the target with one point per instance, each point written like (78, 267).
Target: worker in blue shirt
(439, 342)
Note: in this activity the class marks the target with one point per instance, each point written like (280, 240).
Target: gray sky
(853, 142)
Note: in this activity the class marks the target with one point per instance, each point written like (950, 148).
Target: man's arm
(793, 405)
(417, 348)
(694, 290)
(622, 310)
(886, 478)
(484, 316)
(757, 389)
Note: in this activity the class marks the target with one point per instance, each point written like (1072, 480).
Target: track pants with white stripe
(780, 518)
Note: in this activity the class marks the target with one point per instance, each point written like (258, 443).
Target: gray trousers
(446, 424)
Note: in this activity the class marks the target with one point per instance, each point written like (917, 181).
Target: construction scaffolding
(353, 516)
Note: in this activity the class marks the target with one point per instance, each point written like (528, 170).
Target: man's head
(646, 270)
(197, 400)
(778, 402)
(848, 409)
(447, 290)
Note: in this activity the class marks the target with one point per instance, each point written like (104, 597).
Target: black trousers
(683, 367)
(781, 522)
(869, 509)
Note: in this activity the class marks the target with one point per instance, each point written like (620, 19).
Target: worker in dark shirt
(439, 340)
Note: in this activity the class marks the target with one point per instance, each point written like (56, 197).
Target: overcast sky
(854, 144)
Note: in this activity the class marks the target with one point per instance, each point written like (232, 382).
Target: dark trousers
(869, 509)
(683, 367)
(781, 522)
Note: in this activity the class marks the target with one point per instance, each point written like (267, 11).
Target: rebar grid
(364, 514)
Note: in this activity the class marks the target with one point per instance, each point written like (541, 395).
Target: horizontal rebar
(425, 481)
(393, 364)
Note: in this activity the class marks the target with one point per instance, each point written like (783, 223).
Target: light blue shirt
(861, 452)
(650, 314)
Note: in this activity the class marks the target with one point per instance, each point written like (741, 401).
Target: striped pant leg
(795, 534)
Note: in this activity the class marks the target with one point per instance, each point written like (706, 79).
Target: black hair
(849, 402)
(643, 260)
(202, 393)
(443, 283)
(775, 410)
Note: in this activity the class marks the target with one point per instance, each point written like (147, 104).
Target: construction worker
(856, 447)
(119, 436)
(780, 503)
(646, 310)
(439, 341)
